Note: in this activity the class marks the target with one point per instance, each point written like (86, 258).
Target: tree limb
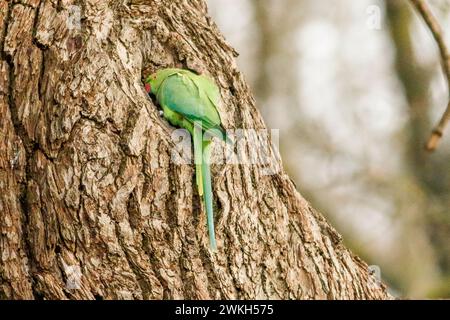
(438, 35)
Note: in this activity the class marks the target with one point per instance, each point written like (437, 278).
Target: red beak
(148, 88)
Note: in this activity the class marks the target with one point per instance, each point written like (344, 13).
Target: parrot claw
(161, 113)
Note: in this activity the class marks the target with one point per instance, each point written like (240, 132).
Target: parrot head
(154, 81)
(150, 84)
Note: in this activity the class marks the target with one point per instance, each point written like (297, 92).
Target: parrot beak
(148, 88)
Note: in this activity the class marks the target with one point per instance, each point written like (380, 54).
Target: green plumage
(190, 101)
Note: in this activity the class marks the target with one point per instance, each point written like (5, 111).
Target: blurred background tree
(355, 87)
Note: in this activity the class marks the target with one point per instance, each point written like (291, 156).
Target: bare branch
(438, 35)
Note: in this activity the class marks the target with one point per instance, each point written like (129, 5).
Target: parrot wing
(206, 84)
(209, 88)
(209, 92)
(179, 93)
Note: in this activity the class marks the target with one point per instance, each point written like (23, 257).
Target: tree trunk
(91, 204)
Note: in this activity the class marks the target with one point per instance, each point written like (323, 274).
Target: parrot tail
(206, 176)
(197, 137)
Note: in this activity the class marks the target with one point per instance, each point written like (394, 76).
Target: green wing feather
(211, 94)
(209, 87)
(181, 94)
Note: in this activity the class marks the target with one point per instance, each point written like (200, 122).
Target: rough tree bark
(88, 191)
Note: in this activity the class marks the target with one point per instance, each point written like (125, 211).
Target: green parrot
(190, 101)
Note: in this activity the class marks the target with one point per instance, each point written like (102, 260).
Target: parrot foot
(161, 113)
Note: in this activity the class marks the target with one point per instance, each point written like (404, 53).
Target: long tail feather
(197, 137)
(206, 174)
